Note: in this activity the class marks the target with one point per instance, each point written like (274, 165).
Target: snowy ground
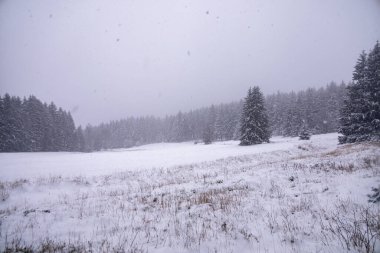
(31, 165)
(286, 196)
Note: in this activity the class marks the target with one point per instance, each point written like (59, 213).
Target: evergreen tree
(2, 126)
(13, 135)
(209, 130)
(332, 103)
(293, 121)
(34, 123)
(254, 126)
(79, 140)
(360, 115)
(305, 133)
(220, 124)
(372, 94)
(207, 135)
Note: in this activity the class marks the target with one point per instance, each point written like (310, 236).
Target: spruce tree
(304, 133)
(220, 124)
(352, 104)
(360, 115)
(3, 136)
(13, 134)
(372, 94)
(254, 126)
(34, 123)
(209, 130)
(79, 140)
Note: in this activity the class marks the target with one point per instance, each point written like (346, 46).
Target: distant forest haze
(31, 125)
(353, 110)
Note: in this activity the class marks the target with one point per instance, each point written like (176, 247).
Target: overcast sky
(109, 59)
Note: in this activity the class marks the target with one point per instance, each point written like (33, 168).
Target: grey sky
(108, 59)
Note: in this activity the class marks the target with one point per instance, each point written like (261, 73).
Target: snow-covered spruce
(305, 134)
(254, 125)
(360, 115)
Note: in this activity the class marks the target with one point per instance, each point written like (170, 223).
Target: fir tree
(2, 126)
(372, 94)
(34, 123)
(79, 140)
(13, 134)
(360, 115)
(209, 130)
(305, 133)
(207, 135)
(254, 126)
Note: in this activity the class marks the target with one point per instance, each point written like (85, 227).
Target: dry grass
(356, 227)
(207, 207)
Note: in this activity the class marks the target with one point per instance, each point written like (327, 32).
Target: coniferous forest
(353, 110)
(28, 125)
(31, 125)
(318, 109)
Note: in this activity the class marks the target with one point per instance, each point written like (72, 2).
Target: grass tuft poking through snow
(286, 196)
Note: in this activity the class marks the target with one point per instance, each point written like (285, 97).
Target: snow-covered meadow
(285, 196)
(160, 155)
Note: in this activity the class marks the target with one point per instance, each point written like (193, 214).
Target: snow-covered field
(161, 155)
(285, 196)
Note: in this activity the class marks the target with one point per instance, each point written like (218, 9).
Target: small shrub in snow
(80, 180)
(271, 221)
(302, 148)
(305, 135)
(18, 183)
(219, 181)
(332, 166)
(354, 226)
(375, 196)
(4, 194)
(26, 212)
(275, 190)
(290, 227)
(371, 162)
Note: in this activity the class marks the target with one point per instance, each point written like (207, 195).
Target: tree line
(217, 122)
(28, 125)
(353, 110)
(317, 110)
(287, 112)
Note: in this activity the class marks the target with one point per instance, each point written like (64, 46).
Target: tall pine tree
(209, 130)
(360, 115)
(372, 94)
(254, 126)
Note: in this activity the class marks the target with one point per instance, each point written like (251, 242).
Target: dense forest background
(30, 125)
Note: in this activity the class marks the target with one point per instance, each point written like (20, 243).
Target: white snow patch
(30, 165)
